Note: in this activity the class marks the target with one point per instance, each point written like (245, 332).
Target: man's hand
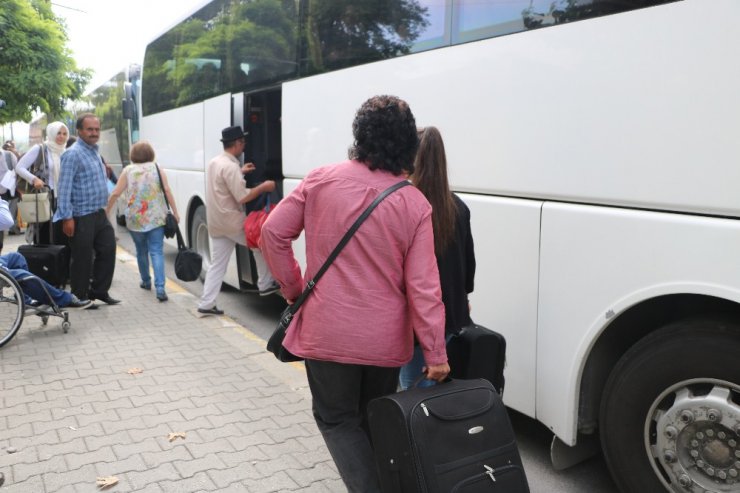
(248, 168)
(437, 372)
(38, 183)
(68, 226)
(268, 186)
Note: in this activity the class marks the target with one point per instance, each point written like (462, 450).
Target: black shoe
(210, 311)
(162, 296)
(147, 286)
(105, 299)
(80, 304)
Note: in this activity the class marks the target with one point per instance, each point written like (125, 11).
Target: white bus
(596, 144)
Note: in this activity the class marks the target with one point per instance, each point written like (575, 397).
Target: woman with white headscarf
(43, 171)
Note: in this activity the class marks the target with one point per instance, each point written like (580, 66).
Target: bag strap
(180, 241)
(342, 243)
(161, 185)
(40, 160)
(37, 228)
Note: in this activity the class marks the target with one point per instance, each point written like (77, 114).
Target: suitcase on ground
(478, 352)
(49, 262)
(452, 437)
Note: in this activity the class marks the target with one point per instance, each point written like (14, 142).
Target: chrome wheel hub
(693, 435)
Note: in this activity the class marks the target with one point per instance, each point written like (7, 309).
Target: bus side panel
(595, 263)
(506, 236)
(177, 137)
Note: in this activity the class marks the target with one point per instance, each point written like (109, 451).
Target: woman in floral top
(146, 212)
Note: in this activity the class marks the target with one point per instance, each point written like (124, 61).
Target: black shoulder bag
(170, 224)
(188, 263)
(275, 344)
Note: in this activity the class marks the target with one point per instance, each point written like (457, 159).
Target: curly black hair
(385, 135)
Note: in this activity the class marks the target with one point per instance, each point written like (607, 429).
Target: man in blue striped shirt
(82, 195)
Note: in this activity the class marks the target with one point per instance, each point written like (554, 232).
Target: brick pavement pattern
(70, 411)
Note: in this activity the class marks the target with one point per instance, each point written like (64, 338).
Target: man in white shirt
(225, 195)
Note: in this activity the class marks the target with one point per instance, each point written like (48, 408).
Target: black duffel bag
(188, 263)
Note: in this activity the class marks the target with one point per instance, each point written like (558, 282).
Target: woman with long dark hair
(453, 243)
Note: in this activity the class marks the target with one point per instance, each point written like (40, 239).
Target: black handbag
(478, 352)
(275, 343)
(170, 224)
(188, 263)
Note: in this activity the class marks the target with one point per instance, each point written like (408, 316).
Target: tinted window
(240, 45)
(344, 33)
(227, 46)
(475, 19)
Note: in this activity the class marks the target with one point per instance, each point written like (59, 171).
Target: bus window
(474, 20)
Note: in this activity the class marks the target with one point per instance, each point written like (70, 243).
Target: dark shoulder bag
(188, 263)
(275, 343)
(170, 224)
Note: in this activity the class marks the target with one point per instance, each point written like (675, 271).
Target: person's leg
(81, 263)
(104, 245)
(265, 281)
(142, 256)
(411, 372)
(221, 249)
(40, 290)
(337, 391)
(155, 239)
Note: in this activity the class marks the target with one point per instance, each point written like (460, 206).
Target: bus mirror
(127, 106)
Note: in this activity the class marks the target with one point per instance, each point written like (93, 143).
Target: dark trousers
(340, 396)
(94, 238)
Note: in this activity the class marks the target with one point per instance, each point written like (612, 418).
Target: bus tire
(670, 412)
(199, 238)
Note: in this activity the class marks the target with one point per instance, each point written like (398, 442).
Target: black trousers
(93, 255)
(340, 395)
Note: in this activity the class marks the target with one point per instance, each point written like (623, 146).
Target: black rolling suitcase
(478, 352)
(49, 262)
(452, 437)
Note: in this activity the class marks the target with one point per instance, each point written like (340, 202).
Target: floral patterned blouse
(145, 209)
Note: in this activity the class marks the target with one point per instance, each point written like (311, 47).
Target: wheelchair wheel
(11, 307)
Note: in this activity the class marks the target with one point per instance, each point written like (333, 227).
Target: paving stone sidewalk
(70, 412)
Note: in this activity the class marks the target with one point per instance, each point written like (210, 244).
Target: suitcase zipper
(489, 471)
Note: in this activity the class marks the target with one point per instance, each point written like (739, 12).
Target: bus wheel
(199, 238)
(670, 412)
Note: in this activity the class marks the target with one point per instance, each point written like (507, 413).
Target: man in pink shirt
(358, 325)
(225, 195)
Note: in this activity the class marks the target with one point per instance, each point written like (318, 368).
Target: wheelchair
(13, 307)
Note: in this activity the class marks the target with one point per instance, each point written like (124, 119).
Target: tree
(37, 71)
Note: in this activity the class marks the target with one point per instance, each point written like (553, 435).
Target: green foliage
(37, 71)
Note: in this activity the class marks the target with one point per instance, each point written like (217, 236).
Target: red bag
(253, 225)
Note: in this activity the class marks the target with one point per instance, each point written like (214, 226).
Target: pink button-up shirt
(382, 288)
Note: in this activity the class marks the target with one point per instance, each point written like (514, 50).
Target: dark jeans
(340, 396)
(94, 238)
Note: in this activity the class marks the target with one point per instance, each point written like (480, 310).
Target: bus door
(261, 121)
